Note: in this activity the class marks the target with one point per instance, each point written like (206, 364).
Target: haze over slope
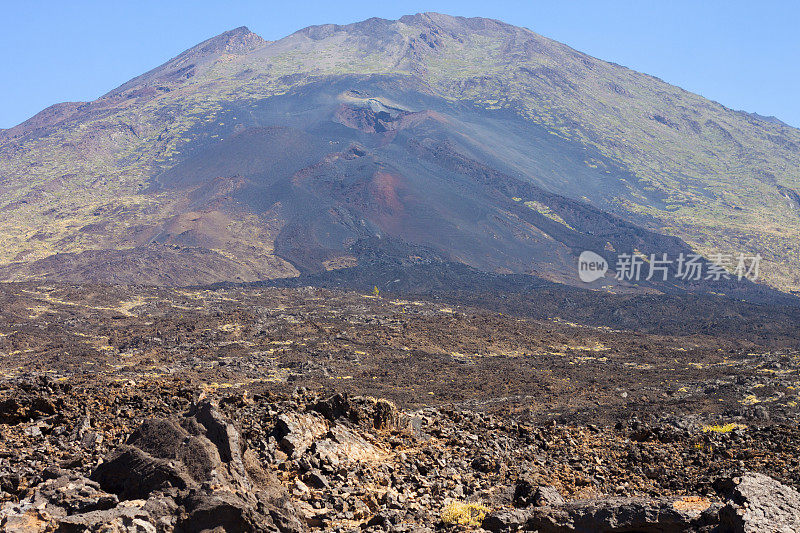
(465, 140)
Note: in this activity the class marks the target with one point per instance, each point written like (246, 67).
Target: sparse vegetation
(723, 428)
(464, 514)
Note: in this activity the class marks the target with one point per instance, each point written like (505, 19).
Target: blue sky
(743, 54)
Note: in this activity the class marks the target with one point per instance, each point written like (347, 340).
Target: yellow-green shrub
(464, 514)
(720, 428)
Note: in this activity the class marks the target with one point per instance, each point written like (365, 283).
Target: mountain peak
(455, 24)
(378, 28)
(432, 17)
(236, 41)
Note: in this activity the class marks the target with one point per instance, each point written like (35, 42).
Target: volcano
(429, 140)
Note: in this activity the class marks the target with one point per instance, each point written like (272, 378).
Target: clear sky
(744, 54)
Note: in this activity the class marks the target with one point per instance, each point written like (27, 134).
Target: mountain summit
(431, 138)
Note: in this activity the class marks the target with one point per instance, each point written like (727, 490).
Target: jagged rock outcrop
(200, 465)
(759, 504)
(609, 515)
(369, 413)
(295, 432)
(755, 504)
(527, 494)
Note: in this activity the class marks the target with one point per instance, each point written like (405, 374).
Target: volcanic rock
(608, 515)
(220, 484)
(758, 503)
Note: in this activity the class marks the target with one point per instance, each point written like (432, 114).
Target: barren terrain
(474, 401)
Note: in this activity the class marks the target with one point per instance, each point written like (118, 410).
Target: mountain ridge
(504, 97)
(433, 18)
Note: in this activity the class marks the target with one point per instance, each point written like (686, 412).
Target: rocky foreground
(300, 462)
(172, 410)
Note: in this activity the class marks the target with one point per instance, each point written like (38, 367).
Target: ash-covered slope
(483, 143)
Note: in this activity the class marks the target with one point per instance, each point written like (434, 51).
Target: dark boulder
(203, 462)
(527, 494)
(368, 413)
